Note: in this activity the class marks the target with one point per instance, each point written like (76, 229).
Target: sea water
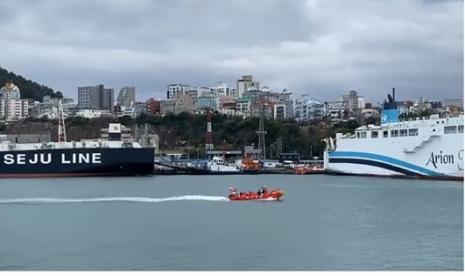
(187, 223)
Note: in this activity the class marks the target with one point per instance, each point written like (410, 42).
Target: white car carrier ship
(425, 147)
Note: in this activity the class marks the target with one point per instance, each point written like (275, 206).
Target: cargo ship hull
(76, 162)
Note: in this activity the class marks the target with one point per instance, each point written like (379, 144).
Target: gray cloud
(320, 47)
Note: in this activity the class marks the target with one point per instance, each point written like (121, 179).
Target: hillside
(176, 132)
(29, 89)
(231, 132)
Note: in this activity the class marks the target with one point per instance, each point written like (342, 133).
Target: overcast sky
(323, 48)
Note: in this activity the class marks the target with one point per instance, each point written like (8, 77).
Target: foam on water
(112, 199)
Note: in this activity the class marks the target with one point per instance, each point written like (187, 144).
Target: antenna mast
(61, 123)
(209, 135)
(261, 133)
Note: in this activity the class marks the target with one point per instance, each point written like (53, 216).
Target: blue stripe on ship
(382, 158)
(374, 164)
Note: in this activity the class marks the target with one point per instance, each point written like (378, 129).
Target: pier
(165, 166)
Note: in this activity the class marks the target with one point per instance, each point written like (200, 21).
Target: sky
(319, 47)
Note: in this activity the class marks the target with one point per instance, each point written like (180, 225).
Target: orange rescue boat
(274, 194)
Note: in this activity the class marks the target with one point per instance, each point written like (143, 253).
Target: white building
(244, 106)
(279, 111)
(221, 89)
(127, 111)
(126, 96)
(245, 84)
(11, 106)
(370, 113)
(353, 101)
(452, 102)
(334, 109)
(92, 113)
(176, 89)
(308, 108)
(49, 107)
(15, 109)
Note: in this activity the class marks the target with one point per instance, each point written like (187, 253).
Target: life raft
(272, 195)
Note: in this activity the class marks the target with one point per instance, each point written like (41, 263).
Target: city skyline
(324, 48)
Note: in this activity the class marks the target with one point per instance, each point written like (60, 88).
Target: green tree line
(233, 132)
(177, 132)
(29, 89)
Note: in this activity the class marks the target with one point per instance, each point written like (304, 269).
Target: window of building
(413, 132)
(385, 134)
(363, 134)
(374, 134)
(460, 129)
(358, 134)
(394, 133)
(403, 132)
(450, 129)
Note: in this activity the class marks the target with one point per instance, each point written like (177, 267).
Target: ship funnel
(390, 112)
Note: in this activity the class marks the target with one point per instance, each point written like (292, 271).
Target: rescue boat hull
(275, 195)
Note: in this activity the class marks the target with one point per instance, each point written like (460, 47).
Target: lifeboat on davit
(274, 194)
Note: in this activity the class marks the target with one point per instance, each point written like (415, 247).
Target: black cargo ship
(76, 162)
(99, 157)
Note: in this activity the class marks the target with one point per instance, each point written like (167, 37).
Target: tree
(59, 95)
(29, 89)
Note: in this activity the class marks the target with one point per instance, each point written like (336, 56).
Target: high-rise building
(244, 106)
(246, 83)
(96, 97)
(308, 108)
(88, 97)
(285, 97)
(279, 111)
(352, 101)
(221, 89)
(126, 96)
(107, 100)
(11, 106)
(334, 110)
(208, 100)
(175, 89)
(15, 109)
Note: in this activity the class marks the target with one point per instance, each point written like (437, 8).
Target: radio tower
(209, 135)
(61, 123)
(261, 134)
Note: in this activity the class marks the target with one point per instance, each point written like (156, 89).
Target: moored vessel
(112, 156)
(219, 166)
(423, 147)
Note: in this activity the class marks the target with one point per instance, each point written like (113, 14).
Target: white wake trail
(112, 199)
